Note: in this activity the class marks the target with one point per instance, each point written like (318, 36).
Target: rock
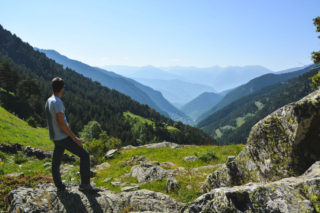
(137, 160)
(65, 169)
(147, 172)
(162, 145)
(129, 147)
(190, 158)
(111, 153)
(206, 167)
(129, 188)
(294, 194)
(44, 198)
(101, 167)
(16, 175)
(38, 153)
(10, 148)
(167, 164)
(47, 164)
(107, 179)
(120, 183)
(283, 144)
(172, 184)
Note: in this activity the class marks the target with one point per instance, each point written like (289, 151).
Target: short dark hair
(57, 84)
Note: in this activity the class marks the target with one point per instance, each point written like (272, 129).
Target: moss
(315, 200)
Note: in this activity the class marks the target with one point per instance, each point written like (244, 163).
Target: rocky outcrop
(45, 198)
(10, 148)
(111, 153)
(156, 145)
(146, 172)
(283, 144)
(289, 195)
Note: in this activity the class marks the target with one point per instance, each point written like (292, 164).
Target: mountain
(219, 78)
(85, 100)
(176, 91)
(180, 85)
(232, 123)
(201, 104)
(138, 92)
(252, 86)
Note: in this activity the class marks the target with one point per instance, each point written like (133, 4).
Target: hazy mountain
(232, 123)
(180, 85)
(220, 78)
(201, 104)
(138, 92)
(176, 91)
(252, 86)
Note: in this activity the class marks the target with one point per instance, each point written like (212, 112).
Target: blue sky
(277, 34)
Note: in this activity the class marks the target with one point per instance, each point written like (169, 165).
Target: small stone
(129, 188)
(172, 184)
(18, 175)
(101, 167)
(111, 153)
(120, 183)
(190, 158)
(107, 179)
(47, 164)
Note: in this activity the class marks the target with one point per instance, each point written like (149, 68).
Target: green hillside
(233, 123)
(14, 130)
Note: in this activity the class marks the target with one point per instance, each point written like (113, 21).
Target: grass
(190, 181)
(15, 130)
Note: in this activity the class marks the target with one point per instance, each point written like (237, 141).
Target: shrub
(19, 158)
(207, 156)
(32, 122)
(99, 147)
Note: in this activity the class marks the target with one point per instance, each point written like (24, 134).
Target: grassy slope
(14, 130)
(190, 181)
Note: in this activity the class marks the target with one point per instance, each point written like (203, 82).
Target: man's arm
(66, 129)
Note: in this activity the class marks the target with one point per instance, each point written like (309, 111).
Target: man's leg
(55, 169)
(74, 148)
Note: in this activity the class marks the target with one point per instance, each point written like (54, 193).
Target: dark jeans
(71, 146)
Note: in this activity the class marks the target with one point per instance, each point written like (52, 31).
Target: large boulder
(283, 144)
(288, 195)
(147, 172)
(45, 198)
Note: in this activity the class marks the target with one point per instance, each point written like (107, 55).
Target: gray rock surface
(111, 153)
(288, 195)
(18, 174)
(45, 198)
(190, 158)
(156, 145)
(146, 172)
(283, 144)
(172, 184)
(101, 167)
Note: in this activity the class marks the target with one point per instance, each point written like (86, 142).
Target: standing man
(64, 138)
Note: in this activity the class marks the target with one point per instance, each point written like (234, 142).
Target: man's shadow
(73, 204)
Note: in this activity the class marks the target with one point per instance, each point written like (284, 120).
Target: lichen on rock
(283, 144)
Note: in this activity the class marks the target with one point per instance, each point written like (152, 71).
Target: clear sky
(277, 34)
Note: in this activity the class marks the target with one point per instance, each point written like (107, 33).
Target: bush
(32, 122)
(19, 158)
(207, 156)
(99, 147)
(90, 131)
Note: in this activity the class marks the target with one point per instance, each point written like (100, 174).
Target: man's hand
(78, 141)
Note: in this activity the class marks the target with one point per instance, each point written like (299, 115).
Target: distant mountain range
(141, 93)
(253, 86)
(201, 104)
(181, 85)
(232, 122)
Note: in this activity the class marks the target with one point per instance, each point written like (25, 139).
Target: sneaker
(88, 188)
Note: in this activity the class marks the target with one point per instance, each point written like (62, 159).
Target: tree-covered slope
(86, 100)
(232, 123)
(139, 92)
(201, 104)
(252, 86)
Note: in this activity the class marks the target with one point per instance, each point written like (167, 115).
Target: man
(64, 138)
